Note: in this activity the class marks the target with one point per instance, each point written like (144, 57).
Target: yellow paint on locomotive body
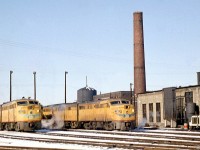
(122, 112)
(57, 111)
(47, 112)
(86, 112)
(22, 110)
(112, 112)
(71, 112)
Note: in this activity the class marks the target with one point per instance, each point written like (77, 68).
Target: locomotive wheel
(88, 126)
(7, 127)
(94, 125)
(74, 125)
(109, 126)
(17, 127)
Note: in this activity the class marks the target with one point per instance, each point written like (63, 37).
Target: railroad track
(174, 133)
(143, 138)
(179, 135)
(125, 140)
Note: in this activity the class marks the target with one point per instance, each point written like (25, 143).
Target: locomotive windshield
(22, 103)
(115, 102)
(119, 102)
(125, 102)
(33, 102)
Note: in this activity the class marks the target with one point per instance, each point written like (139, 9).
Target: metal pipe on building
(139, 58)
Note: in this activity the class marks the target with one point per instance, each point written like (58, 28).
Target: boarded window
(144, 111)
(151, 112)
(158, 114)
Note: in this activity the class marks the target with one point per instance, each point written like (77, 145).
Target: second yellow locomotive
(111, 114)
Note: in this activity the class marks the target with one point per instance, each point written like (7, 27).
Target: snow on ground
(136, 135)
(34, 144)
(170, 130)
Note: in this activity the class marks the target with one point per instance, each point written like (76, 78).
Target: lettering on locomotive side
(31, 116)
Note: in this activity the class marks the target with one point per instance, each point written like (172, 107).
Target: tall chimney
(139, 60)
(198, 78)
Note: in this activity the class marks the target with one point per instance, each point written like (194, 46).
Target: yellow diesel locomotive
(21, 115)
(111, 114)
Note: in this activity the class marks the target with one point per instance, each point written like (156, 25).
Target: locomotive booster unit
(21, 115)
(110, 114)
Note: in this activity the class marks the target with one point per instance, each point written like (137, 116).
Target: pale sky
(94, 38)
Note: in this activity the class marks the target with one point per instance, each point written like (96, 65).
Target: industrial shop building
(168, 107)
(114, 95)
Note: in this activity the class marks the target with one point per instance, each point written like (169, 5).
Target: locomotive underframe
(108, 125)
(20, 126)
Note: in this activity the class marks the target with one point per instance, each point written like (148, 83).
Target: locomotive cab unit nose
(122, 114)
(21, 115)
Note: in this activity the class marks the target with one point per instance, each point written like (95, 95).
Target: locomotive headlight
(132, 110)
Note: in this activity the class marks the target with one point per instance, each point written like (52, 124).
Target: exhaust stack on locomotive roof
(139, 59)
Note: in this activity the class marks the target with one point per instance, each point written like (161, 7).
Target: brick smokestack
(139, 60)
(198, 78)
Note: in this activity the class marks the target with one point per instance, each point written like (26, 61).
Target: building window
(180, 110)
(144, 111)
(188, 97)
(158, 114)
(151, 112)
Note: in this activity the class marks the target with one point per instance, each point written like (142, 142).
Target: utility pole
(11, 85)
(66, 86)
(131, 90)
(34, 76)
